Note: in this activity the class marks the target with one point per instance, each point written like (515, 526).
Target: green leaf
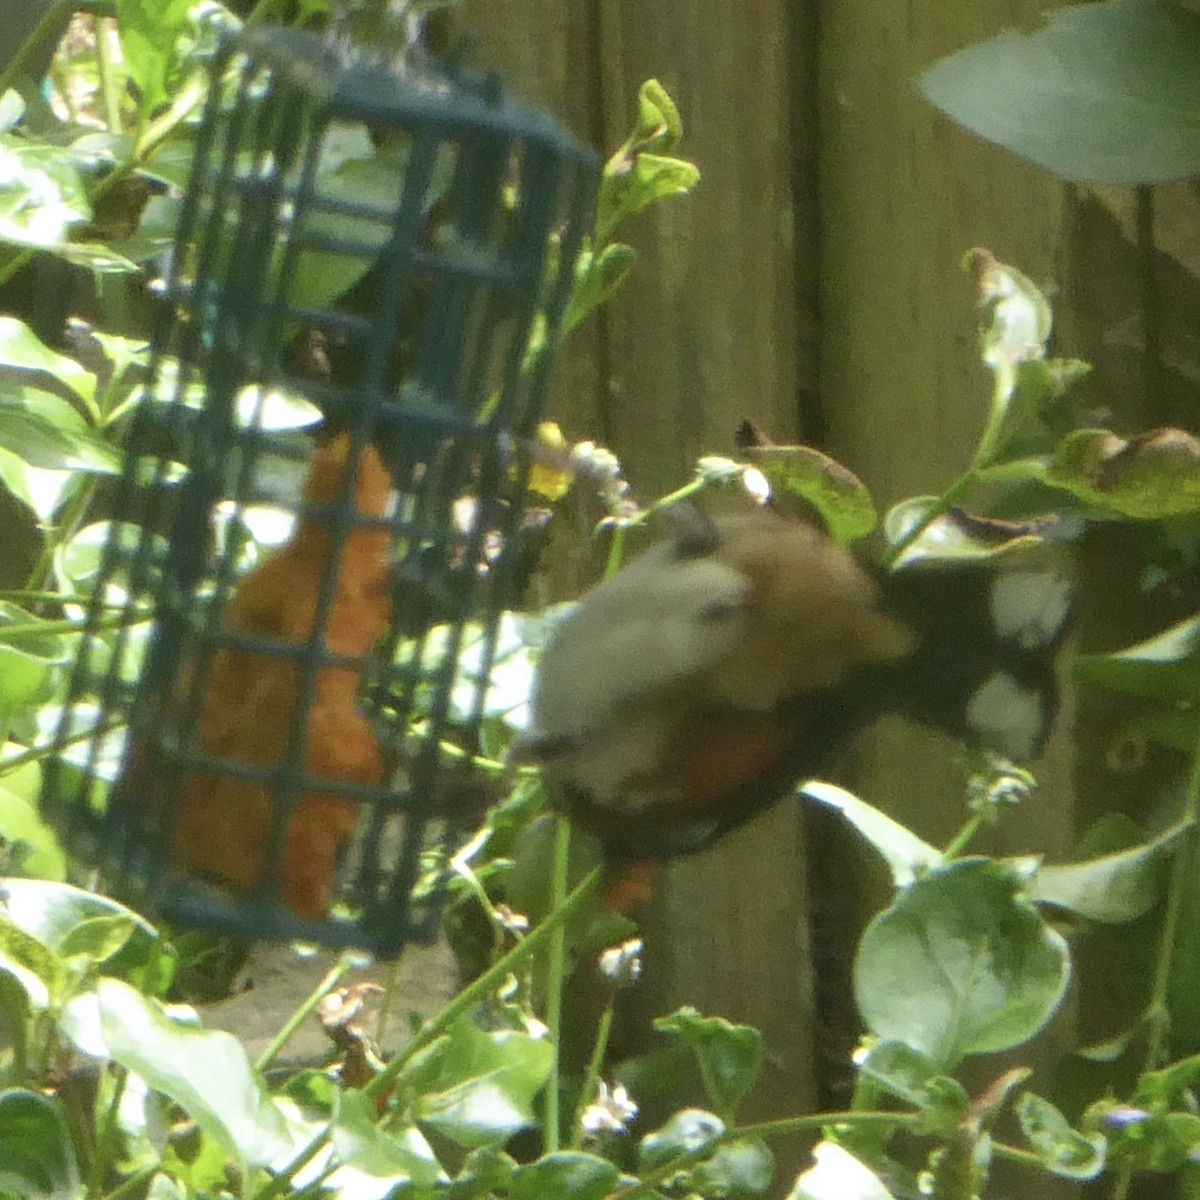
(689, 1131)
(568, 1174)
(1063, 1150)
(150, 32)
(1148, 477)
(41, 194)
(478, 1086)
(906, 855)
(1110, 888)
(640, 172)
(741, 1168)
(21, 825)
(956, 534)
(44, 492)
(36, 967)
(730, 1056)
(386, 1156)
(837, 494)
(1105, 93)
(597, 278)
(21, 348)
(16, 1013)
(205, 1072)
(838, 1175)
(37, 1159)
(913, 1078)
(961, 963)
(37, 429)
(1165, 667)
(27, 657)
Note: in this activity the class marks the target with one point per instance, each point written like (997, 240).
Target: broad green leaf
(961, 963)
(1165, 667)
(477, 1086)
(205, 1072)
(16, 1012)
(52, 912)
(838, 495)
(689, 1131)
(41, 194)
(21, 825)
(1063, 1150)
(44, 441)
(44, 492)
(906, 855)
(21, 348)
(567, 1174)
(742, 1168)
(1110, 888)
(30, 962)
(388, 1157)
(37, 1159)
(730, 1056)
(150, 32)
(27, 657)
(1105, 93)
(838, 1175)
(1149, 477)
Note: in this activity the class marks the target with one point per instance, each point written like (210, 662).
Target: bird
(250, 695)
(723, 665)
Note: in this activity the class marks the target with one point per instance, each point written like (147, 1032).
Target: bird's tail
(987, 637)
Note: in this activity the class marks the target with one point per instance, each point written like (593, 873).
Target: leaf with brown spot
(1150, 476)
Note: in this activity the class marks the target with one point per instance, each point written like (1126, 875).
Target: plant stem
(134, 1184)
(1180, 885)
(333, 977)
(964, 837)
(108, 83)
(433, 1029)
(556, 955)
(595, 1066)
(106, 1137)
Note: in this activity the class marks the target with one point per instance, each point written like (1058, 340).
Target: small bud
(610, 1112)
(622, 965)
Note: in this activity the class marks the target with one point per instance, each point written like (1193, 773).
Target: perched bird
(250, 695)
(691, 689)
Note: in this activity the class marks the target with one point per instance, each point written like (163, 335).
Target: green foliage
(1105, 93)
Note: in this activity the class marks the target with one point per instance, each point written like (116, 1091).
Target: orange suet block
(250, 699)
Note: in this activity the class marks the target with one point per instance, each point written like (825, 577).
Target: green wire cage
(360, 313)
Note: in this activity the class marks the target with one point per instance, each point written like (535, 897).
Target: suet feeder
(360, 313)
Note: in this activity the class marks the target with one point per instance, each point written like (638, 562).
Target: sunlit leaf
(838, 1175)
(1104, 93)
(385, 1157)
(688, 1132)
(41, 194)
(21, 348)
(906, 855)
(150, 31)
(739, 1168)
(837, 494)
(1112, 887)
(37, 1158)
(206, 1072)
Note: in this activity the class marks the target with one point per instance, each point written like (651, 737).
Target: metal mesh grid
(448, 221)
